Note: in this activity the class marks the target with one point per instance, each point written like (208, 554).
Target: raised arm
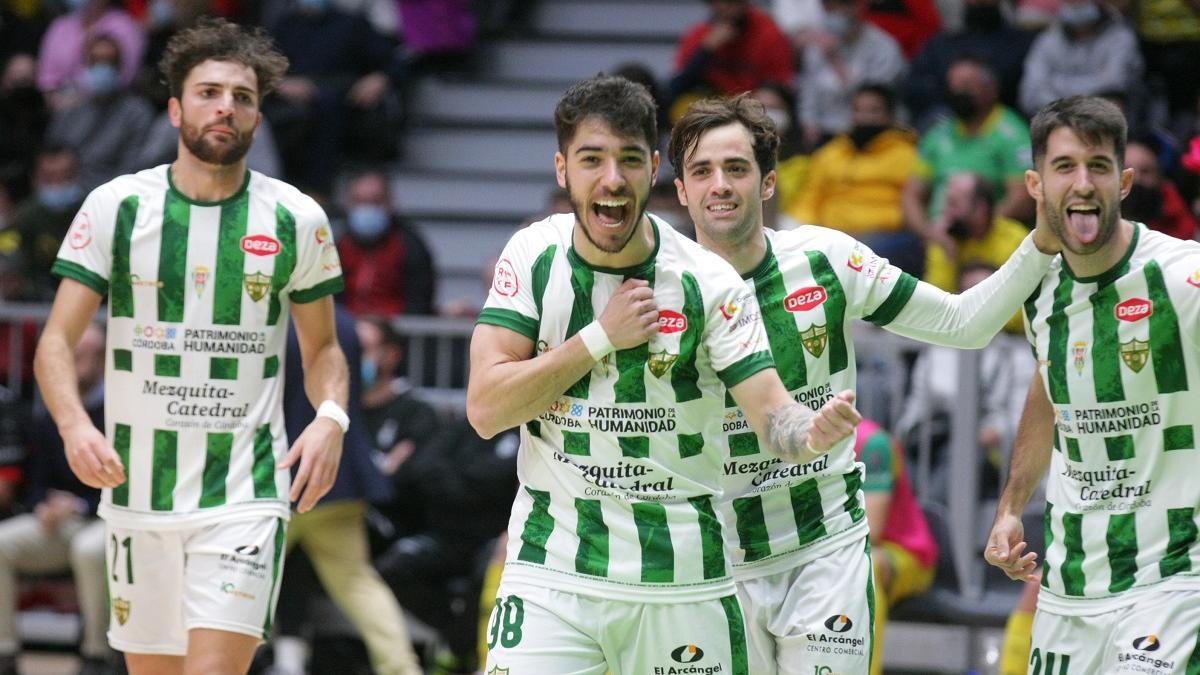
(1030, 459)
(509, 387)
(89, 454)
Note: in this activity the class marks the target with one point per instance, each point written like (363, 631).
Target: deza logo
(1134, 309)
(805, 299)
(260, 245)
(671, 322)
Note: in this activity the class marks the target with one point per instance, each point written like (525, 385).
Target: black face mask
(863, 134)
(962, 105)
(1142, 204)
(983, 18)
(958, 229)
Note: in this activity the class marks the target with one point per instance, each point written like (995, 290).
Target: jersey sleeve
(877, 456)
(876, 290)
(86, 253)
(733, 333)
(318, 270)
(510, 303)
(1184, 277)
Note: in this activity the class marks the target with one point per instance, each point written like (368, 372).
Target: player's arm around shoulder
(89, 454)
(789, 430)
(327, 384)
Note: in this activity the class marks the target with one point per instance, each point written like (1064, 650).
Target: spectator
(989, 36)
(737, 49)
(1088, 50)
(108, 124)
(1153, 199)
(16, 380)
(847, 53)
(1169, 32)
(43, 219)
(387, 266)
(791, 169)
(23, 117)
(903, 551)
(334, 534)
(855, 181)
(977, 235)
(983, 136)
(62, 56)
(910, 22)
(341, 72)
(466, 485)
(17, 34)
(1004, 372)
(62, 532)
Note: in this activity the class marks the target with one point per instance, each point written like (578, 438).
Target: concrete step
(486, 103)
(650, 19)
(465, 150)
(496, 198)
(546, 60)
(464, 246)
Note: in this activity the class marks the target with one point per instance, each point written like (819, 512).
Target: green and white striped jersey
(812, 284)
(198, 296)
(621, 475)
(1119, 357)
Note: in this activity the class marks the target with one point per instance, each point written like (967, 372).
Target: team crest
(257, 285)
(120, 608)
(199, 279)
(1135, 353)
(661, 362)
(814, 340)
(1080, 351)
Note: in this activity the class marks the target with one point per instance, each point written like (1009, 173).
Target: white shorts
(541, 630)
(816, 618)
(163, 583)
(1156, 634)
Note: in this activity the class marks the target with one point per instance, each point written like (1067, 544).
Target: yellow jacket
(855, 191)
(993, 250)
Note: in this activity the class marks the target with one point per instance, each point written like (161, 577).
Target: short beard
(1108, 227)
(210, 153)
(580, 218)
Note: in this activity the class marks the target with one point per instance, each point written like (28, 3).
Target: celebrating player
(799, 539)
(611, 339)
(200, 261)
(1115, 327)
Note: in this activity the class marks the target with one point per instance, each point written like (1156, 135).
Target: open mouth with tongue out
(611, 212)
(1084, 220)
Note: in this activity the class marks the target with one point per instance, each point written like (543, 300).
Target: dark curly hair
(711, 113)
(215, 39)
(624, 105)
(1093, 119)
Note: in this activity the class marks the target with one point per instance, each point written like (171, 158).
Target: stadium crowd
(904, 123)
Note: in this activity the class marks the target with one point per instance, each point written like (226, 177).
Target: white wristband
(334, 412)
(596, 340)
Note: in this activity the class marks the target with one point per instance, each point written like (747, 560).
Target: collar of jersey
(763, 267)
(196, 202)
(639, 270)
(1116, 271)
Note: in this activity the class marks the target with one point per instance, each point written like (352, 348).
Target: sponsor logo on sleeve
(504, 281)
(1195, 279)
(805, 299)
(670, 321)
(1134, 309)
(323, 236)
(80, 235)
(261, 245)
(855, 261)
(729, 310)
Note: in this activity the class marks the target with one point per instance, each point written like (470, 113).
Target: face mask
(1142, 204)
(781, 119)
(959, 229)
(862, 134)
(962, 105)
(59, 197)
(101, 78)
(369, 372)
(983, 18)
(1079, 15)
(368, 222)
(837, 23)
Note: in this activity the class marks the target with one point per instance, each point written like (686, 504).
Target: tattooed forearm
(787, 433)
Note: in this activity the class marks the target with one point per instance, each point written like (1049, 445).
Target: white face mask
(783, 122)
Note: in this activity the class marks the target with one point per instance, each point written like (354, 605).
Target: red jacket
(1176, 219)
(762, 53)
